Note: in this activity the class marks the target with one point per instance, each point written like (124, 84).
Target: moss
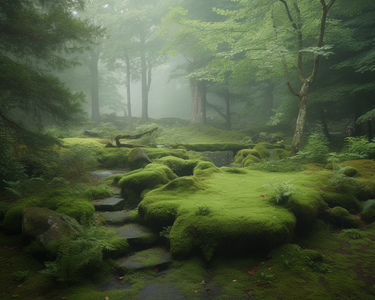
(342, 218)
(12, 223)
(281, 153)
(369, 215)
(121, 247)
(4, 207)
(347, 201)
(205, 168)
(98, 192)
(249, 160)
(349, 171)
(138, 159)
(263, 151)
(155, 153)
(110, 158)
(234, 170)
(88, 142)
(243, 154)
(134, 183)
(179, 166)
(202, 147)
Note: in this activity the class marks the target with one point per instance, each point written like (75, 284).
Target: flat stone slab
(103, 174)
(151, 258)
(109, 204)
(116, 217)
(138, 235)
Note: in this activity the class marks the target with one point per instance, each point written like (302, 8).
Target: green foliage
(78, 160)
(281, 191)
(352, 233)
(265, 278)
(150, 138)
(97, 192)
(22, 275)
(370, 204)
(316, 149)
(166, 232)
(282, 165)
(203, 210)
(85, 245)
(108, 131)
(358, 147)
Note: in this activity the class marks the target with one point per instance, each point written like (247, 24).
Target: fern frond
(368, 204)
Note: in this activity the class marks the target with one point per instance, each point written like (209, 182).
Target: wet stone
(138, 236)
(151, 258)
(103, 174)
(116, 217)
(110, 204)
(160, 292)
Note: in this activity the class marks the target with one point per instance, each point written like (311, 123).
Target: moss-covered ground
(229, 238)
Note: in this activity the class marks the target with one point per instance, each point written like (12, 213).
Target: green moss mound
(240, 219)
(205, 168)
(135, 182)
(97, 192)
(87, 142)
(113, 158)
(281, 153)
(12, 223)
(179, 166)
(349, 171)
(341, 218)
(347, 201)
(202, 147)
(251, 155)
(234, 170)
(263, 151)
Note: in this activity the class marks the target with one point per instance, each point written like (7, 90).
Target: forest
(185, 149)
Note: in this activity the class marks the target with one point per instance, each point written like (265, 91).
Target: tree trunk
(198, 101)
(324, 122)
(128, 100)
(142, 40)
(300, 124)
(95, 85)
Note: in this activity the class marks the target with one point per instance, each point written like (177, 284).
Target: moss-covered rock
(134, 183)
(113, 158)
(179, 166)
(349, 171)
(12, 223)
(347, 201)
(205, 168)
(263, 151)
(138, 158)
(249, 160)
(98, 192)
(234, 170)
(341, 218)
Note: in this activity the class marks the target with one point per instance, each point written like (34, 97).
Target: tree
(35, 37)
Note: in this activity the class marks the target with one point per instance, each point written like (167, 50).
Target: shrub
(359, 146)
(316, 149)
(78, 160)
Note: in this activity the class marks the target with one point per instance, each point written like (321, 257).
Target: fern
(83, 246)
(368, 204)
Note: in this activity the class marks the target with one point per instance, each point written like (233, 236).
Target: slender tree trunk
(198, 101)
(94, 55)
(227, 113)
(128, 100)
(142, 38)
(305, 82)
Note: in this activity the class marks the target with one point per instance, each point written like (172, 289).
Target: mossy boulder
(180, 167)
(349, 171)
(45, 227)
(205, 168)
(347, 201)
(234, 170)
(113, 158)
(263, 151)
(249, 160)
(135, 182)
(247, 157)
(98, 192)
(138, 158)
(341, 218)
(12, 223)
(368, 213)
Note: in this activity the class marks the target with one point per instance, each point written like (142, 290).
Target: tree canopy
(38, 37)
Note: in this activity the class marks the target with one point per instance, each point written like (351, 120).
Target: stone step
(109, 204)
(105, 173)
(138, 236)
(155, 258)
(116, 218)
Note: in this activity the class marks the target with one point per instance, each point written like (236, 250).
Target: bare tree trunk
(128, 100)
(198, 101)
(94, 55)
